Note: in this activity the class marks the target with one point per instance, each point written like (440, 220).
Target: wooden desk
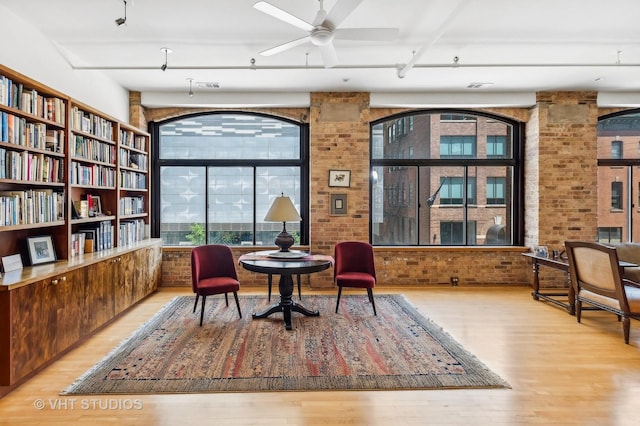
(569, 294)
(261, 262)
(557, 296)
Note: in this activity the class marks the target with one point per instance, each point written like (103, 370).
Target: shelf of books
(93, 174)
(133, 185)
(68, 171)
(32, 160)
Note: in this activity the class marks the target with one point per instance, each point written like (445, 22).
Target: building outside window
(465, 169)
(619, 177)
(218, 174)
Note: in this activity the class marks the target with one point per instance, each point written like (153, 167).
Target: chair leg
(578, 310)
(202, 310)
(373, 303)
(299, 291)
(196, 304)
(625, 328)
(338, 301)
(226, 298)
(235, 294)
(269, 282)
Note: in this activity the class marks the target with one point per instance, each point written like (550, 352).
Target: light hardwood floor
(561, 373)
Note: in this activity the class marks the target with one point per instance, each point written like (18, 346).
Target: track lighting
(166, 51)
(190, 87)
(121, 21)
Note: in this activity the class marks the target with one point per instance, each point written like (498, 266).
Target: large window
(218, 174)
(619, 177)
(465, 171)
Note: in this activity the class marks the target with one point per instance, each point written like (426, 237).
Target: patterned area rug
(398, 349)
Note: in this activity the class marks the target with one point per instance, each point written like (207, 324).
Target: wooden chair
(270, 283)
(354, 267)
(213, 271)
(596, 277)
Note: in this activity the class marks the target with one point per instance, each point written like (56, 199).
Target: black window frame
(302, 162)
(516, 162)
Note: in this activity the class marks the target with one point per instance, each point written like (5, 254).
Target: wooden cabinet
(42, 318)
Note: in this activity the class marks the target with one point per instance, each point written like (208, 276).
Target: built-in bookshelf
(133, 186)
(68, 170)
(33, 191)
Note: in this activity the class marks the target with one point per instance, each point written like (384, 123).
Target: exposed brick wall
(560, 177)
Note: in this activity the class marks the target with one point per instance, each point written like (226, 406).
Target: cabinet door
(70, 296)
(44, 318)
(33, 328)
(99, 300)
(125, 267)
(147, 274)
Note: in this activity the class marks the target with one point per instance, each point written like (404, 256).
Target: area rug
(355, 350)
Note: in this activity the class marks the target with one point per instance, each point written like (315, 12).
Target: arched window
(466, 169)
(218, 173)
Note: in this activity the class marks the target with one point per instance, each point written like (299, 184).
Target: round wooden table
(261, 262)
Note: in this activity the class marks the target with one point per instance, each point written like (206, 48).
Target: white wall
(26, 50)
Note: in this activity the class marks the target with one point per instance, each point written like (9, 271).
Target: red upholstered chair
(354, 267)
(213, 271)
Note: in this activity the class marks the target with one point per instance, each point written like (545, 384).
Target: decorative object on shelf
(338, 204)
(341, 178)
(541, 251)
(11, 263)
(96, 207)
(41, 249)
(283, 210)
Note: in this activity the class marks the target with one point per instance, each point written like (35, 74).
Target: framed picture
(338, 204)
(41, 249)
(11, 263)
(340, 178)
(97, 206)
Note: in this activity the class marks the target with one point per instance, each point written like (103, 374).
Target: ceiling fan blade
(286, 46)
(372, 34)
(341, 10)
(329, 56)
(282, 15)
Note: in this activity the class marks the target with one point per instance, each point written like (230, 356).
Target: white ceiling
(514, 45)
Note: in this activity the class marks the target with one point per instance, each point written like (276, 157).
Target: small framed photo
(338, 204)
(11, 263)
(96, 208)
(41, 249)
(341, 178)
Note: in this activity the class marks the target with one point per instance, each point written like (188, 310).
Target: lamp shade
(282, 210)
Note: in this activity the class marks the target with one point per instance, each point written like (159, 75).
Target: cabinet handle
(117, 259)
(57, 280)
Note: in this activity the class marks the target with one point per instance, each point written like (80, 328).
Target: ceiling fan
(324, 29)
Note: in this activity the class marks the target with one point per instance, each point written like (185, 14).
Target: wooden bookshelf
(58, 152)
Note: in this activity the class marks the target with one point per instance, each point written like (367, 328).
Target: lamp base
(284, 241)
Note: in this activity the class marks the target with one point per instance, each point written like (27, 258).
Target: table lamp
(282, 210)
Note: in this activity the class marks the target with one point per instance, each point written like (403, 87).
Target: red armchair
(213, 271)
(354, 267)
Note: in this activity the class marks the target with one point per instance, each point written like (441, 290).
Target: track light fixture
(166, 51)
(121, 21)
(190, 87)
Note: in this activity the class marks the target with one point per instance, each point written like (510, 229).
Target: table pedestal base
(286, 305)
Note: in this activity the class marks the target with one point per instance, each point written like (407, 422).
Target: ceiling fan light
(321, 36)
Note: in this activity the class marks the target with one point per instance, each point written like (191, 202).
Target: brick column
(561, 169)
(339, 127)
